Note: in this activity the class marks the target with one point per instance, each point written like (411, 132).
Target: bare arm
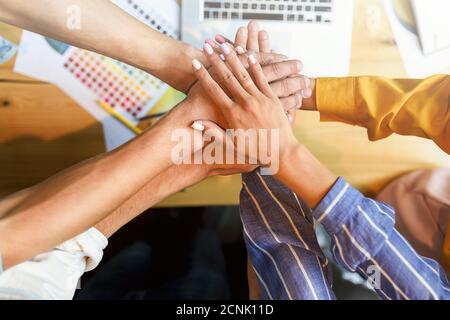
(78, 198)
(119, 35)
(167, 183)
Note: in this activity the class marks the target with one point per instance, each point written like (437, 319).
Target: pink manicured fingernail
(222, 57)
(209, 50)
(225, 48)
(252, 59)
(211, 43)
(198, 126)
(220, 39)
(240, 50)
(307, 93)
(197, 65)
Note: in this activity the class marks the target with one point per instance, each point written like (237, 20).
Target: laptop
(318, 32)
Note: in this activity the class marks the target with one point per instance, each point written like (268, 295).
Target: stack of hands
(243, 89)
(243, 85)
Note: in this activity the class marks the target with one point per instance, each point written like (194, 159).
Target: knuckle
(233, 111)
(277, 69)
(245, 76)
(294, 67)
(227, 76)
(287, 103)
(262, 58)
(286, 86)
(247, 82)
(250, 104)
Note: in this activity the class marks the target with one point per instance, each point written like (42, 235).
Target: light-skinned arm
(78, 198)
(118, 36)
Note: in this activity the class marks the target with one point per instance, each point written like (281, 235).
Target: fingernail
(222, 57)
(197, 65)
(253, 26)
(220, 39)
(198, 126)
(252, 59)
(264, 35)
(299, 66)
(209, 50)
(307, 93)
(240, 50)
(225, 48)
(211, 43)
(243, 31)
(307, 82)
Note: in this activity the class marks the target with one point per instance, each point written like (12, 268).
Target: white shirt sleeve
(54, 274)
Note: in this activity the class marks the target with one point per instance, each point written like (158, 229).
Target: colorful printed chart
(130, 91)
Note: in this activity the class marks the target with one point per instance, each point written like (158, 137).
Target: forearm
(171, 181)
(78, 198)
(119, 35)
(10, 202)
(298, 168)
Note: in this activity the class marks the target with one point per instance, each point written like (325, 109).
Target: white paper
(38, 59)
(417, 64)
(432, 18)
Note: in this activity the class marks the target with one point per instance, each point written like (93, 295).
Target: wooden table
(42, 131)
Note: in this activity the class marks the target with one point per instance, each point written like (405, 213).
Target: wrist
(288, 156)
(172, 63)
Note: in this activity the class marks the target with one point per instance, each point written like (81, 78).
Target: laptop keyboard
(305, 11)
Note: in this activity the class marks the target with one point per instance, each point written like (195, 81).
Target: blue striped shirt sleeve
(364, 240)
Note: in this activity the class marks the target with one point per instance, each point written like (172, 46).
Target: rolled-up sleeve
(54, 274)
(419, 107)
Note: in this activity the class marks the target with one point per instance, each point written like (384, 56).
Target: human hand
(253, 40)
(282, 74)
(253, 104)
(278, 73)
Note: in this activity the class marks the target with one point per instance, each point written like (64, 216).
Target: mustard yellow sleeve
(385, 106)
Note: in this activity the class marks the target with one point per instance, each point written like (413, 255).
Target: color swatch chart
(161, 15)
(128, 90)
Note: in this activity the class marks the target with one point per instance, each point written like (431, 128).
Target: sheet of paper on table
(417, 64)
(7, 50)
(88, 77)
